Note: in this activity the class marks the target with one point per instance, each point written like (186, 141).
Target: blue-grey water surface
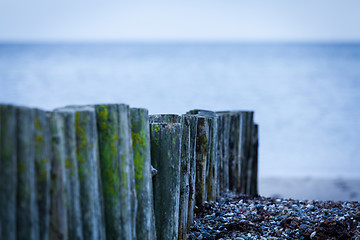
(306, 96)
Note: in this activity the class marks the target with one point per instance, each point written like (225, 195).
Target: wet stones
(244, 217)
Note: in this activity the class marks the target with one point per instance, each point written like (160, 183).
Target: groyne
(86, 172)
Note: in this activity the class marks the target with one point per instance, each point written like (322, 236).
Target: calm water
(306, 96)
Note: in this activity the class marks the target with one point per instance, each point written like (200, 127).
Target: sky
(185, 20)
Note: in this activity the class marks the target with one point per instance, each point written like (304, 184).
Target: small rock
(310, 207)
(304, 226)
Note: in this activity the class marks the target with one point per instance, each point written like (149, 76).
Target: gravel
(244, 217)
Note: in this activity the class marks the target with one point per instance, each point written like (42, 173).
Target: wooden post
(68, 155)
(115, 159)
(192, 172)
(43, 155)
(99, 161)
(8, 171)
(108, 133)
(234, 168)
(165, 157)
(245, 145)
(256, 162)
(126, 143)
(220, 150)
(226, 150)
(89, 173)
(214, 187)
(253, 163)
(211, 184)
(140, 129)
(27, 210)
(202, 149)
(187, 173)
(58, 210)
(224, 135)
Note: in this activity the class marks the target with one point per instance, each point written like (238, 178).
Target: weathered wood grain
(213, 186)
(166, 158)
(202, 158)
(8, 171)
(58, 209)
(116, 208)
(192, 171)
(27, 214)
(128, 158)
(224, 135)
(234, 151)
(184, 176)
(71, 173)
(89, 173)
(245, 146)
(140, 130)
(43, 156)
(211, 182)
(253, 163)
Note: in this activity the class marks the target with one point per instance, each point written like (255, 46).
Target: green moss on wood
(43, 168)
(108, 140)
(139, 169)
(39, 139)
(37, 124)
(81, 135)
(139, 141)
(67, 163)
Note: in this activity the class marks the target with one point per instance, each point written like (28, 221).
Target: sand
(337, 189)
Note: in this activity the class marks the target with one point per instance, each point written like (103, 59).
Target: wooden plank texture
(245, 146)
(43, 156)
(115, 159)
(224, 135)
(58, 209)
(184, 176)
(67, 144)
(8, 171)
(165, 157)
(27, 214)
(140, 130)
(89, 173)
(192, 171)
(211, 166)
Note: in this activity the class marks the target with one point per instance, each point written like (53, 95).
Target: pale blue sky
(229, 20)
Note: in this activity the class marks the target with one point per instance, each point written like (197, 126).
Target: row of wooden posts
(86, 172)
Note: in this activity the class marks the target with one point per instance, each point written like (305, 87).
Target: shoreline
(308, 188)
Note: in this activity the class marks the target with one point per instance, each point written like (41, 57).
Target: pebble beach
(244, 217)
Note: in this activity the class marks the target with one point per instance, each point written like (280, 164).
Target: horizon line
(179, 41)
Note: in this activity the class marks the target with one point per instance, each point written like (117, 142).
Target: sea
(306, 96)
